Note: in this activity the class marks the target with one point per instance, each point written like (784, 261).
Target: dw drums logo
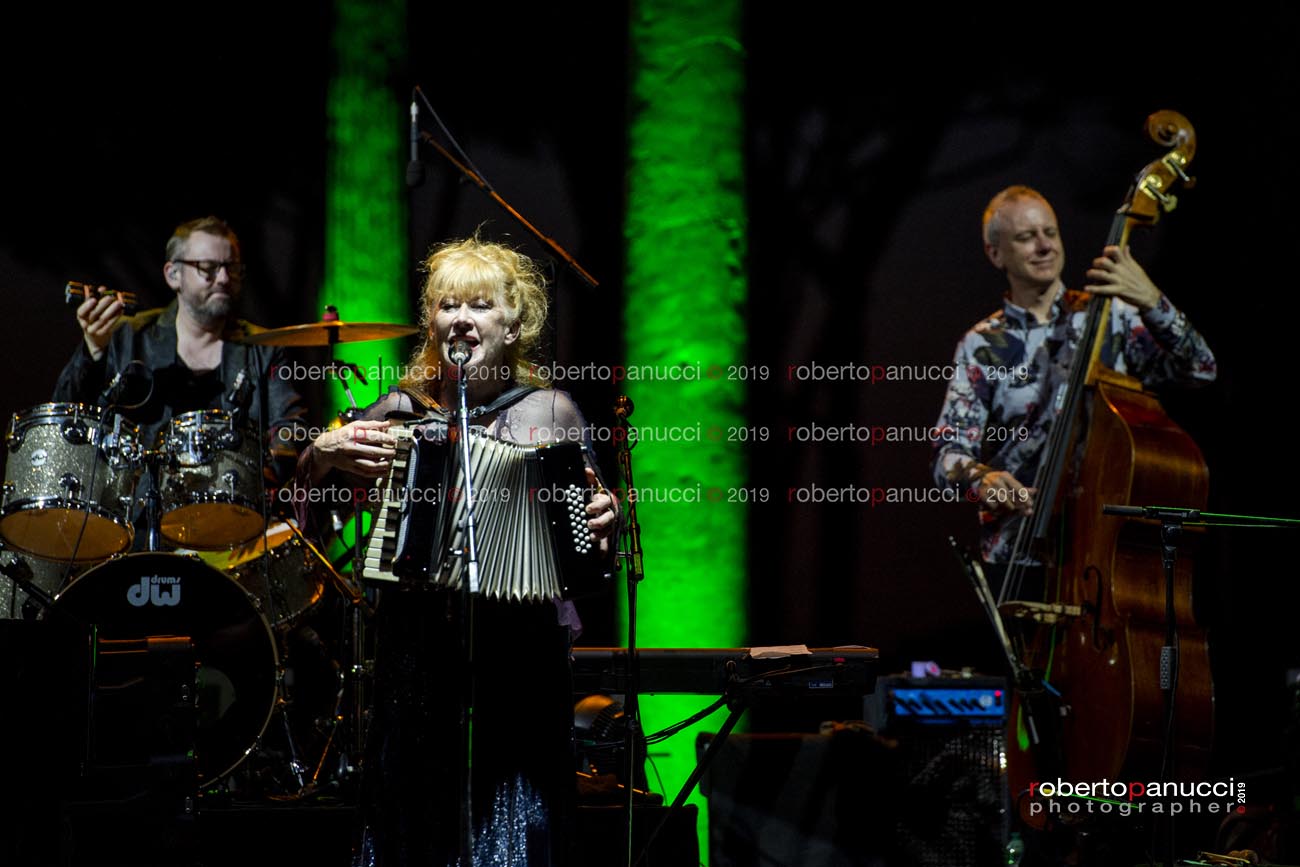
(157, 590)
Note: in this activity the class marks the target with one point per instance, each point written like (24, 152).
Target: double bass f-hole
(1093, 609)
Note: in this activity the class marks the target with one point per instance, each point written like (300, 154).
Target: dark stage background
(874, 141)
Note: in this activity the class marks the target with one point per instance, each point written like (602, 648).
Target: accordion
(530, 518)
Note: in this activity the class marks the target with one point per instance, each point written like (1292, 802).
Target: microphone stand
(469, 590)
(1171, 526)
(635, 575)
(477, 179)
(1030, 684)
(149, 459)
(1172, 522)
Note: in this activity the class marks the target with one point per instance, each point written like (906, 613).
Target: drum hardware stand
(310, 786)
(348, 679)
(296, 766)
(153, 502)
(239, 400)
(109, 399)
(356, 668)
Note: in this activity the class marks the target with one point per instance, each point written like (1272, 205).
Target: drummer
(156, 365)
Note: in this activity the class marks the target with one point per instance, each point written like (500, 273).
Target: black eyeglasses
(209, 268)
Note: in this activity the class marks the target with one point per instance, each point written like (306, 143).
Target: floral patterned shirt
(999, 406)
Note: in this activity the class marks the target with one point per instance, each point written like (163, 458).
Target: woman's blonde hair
(471, 268)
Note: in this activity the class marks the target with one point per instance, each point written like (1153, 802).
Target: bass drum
(154, 594)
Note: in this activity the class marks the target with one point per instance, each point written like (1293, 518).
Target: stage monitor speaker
(932, 796)
(42, 725)
(601, 836)
(801, 800)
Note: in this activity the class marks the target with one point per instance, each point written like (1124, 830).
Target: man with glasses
(158, 364)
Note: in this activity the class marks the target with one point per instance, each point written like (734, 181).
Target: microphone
(124, 382)
(237, 390)
(109, 396)
(623, 406)
(415, 168)
(356, 371)
(1126, 511)
(460, 351)
(237, 400)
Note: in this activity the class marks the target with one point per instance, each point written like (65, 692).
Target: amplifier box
(951, 735)
(903, 702)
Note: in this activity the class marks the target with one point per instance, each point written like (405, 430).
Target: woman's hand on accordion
(363, 448)
(603, 512)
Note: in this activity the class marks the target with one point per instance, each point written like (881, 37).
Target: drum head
(211, 526)
(66, 530)
(147, 595)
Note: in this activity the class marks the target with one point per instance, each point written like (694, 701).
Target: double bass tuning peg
(1167, 201)
(1177, 168)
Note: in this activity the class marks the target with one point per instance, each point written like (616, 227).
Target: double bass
(1114, 681)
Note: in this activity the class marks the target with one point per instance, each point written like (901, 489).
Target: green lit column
(685, 331)
(366, 257)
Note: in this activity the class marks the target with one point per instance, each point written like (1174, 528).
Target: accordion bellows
(530, 518)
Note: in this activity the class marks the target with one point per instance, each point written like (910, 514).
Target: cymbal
(327, 333)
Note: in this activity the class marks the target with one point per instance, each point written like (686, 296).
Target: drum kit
(273, 703)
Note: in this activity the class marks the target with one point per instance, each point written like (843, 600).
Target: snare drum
(281, 569)
(69, 482)
(210, 481)
(237, 681)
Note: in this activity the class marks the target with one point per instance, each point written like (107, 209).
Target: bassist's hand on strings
(1116, 273)
(1001, 493)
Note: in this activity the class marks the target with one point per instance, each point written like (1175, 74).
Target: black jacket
(164, 387)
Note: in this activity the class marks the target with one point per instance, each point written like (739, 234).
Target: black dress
(523, 781)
